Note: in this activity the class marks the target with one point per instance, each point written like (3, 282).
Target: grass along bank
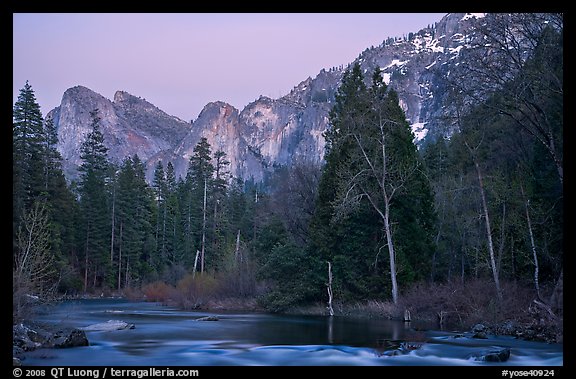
(450, 305)
(461, 306)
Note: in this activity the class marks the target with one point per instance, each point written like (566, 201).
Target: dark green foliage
(94, 209)
(516, 137)
(135, 202)
(38, 178)
(295, 277)
(347, 228)
(112, 230)
(28, 141)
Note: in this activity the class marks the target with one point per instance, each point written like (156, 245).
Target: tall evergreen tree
(28, 143)
(373, 170)
(60, 202)
(173, 230)
(135, 203)
(200, 179)
(160, 193)
(38, 177)
(94, 205)
(219, 191)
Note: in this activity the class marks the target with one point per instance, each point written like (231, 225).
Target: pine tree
(199, 179)
(93, 204)
(38, 178)
(172, 211)
(160, 193)
(135, 205)
(60, 202)
(28, 143)
(218, 191)
(373, 170)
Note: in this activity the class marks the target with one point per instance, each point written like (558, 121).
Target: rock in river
(69, 338)
(499, 354)
(208, 318)
(480, 331)
(109, 326)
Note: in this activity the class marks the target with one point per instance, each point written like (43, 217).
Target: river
(169, 336)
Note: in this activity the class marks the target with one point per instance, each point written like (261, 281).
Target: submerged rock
(109, 326)
(494, 355)
(480, 331)
(68, 338)
(25, 338)
(208, 318)
(391, 348)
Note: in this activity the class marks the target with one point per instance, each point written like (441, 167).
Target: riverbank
(446, 306)
(170, 336)
(456, 306)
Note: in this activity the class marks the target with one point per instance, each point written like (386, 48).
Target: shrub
(464, 304)
(158, 291)
(193, 293)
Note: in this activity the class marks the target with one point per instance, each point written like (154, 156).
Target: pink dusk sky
(181, 62)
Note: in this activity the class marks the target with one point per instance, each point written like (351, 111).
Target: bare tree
(329, 288)
(33, 271)
(520, 56)
(486, 213)
(203, 227)
(375, 173)
(294, 197)
(532, 243)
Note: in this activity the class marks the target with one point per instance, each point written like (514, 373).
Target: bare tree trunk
(94, 278)
(489, 233)
(329, 287)
(532, 244)
(195, 264)
(164, 229)
(86, 261)
(462, 271)
(127, 275)
(120, 259)
(436, 242)
(392, 254)
(203, 228)
(502, 243)
(237, 251)
(113, 219)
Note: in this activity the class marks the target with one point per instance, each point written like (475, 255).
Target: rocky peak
(270, 132)
(122, 96)
(216, 109)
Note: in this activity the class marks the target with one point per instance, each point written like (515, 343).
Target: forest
(467, 226)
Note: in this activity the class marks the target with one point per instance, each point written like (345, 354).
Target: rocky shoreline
(528, 332)
(32, 337)
(28, 338)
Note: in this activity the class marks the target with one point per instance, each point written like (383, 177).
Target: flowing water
(169, 336)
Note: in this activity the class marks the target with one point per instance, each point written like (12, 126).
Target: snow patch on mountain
(468, 16)
(419, 131)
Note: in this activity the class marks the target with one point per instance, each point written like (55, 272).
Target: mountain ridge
(274, 132)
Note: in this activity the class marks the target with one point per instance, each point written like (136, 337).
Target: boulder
(499, 354)
(17, 352)
(25, 338)
(108, 326)
(392, 348)
(68, 338)
(479, 328)
(479, 331)
(208, 318)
